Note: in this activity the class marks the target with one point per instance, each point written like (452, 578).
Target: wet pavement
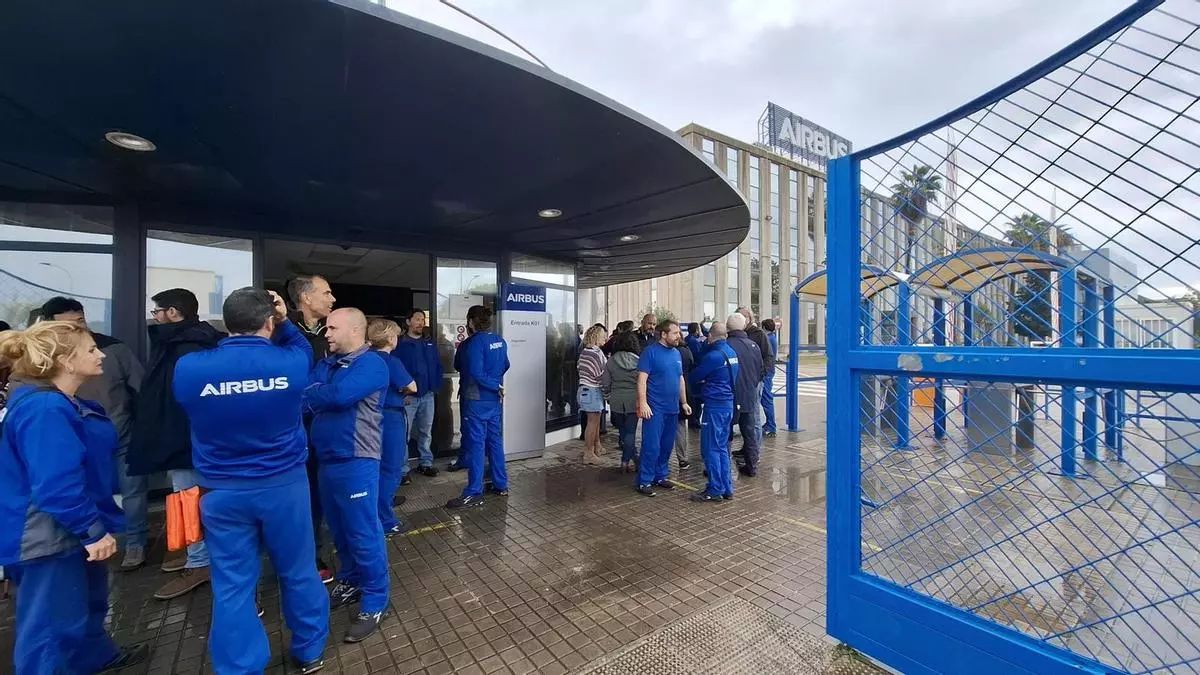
(571, 573)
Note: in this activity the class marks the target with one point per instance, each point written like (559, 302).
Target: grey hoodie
(620, 382)
(117, 387)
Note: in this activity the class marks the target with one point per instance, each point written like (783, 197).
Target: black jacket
(161, 438)
(751, 370)
(315, 336)
(689, 364)
(759, 336)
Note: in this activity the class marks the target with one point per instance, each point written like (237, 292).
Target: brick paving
(570, 569)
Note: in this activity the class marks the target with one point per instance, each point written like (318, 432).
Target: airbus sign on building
(792, 135)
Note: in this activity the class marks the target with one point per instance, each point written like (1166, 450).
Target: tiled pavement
(570, 569)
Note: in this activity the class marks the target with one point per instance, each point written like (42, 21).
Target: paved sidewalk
(571, 573)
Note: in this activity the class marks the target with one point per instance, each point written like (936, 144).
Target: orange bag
(183, 519)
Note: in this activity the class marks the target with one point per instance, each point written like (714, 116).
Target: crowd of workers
(288, 421)
(291, 420)
(716, 378)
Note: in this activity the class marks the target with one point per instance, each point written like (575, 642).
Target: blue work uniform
(243, 402)
(715, 375)
(57, 480)
(697, 345)
(394, 455)
(482, 361)
(346, 400)
(664, 367)
(424, 363)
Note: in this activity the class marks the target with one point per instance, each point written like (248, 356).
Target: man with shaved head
(345, 397)
(716, 376)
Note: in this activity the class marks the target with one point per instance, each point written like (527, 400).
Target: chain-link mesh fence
(1024, 359)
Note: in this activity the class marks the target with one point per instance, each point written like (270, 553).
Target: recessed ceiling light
(631, 237)
(646, 267)
(129, 141)
(550, 213)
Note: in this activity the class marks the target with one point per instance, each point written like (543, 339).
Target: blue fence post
(868, 322)
(903, 382)
(968, 312)
(793, 365)
(1067, 306)
(843, 481)
(1111, 429)
(939, 396)
(1091, 340)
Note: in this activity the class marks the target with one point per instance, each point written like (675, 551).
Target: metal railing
(1014, 459)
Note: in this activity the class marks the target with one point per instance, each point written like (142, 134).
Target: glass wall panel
(28, 278)
(209, 266)
(563, 334)
(460, 284)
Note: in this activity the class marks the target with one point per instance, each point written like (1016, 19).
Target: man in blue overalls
(661, 394)
(715, 376)
(243, 400)
(481, 361)
(346, 400)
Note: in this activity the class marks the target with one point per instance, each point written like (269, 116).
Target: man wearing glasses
(161, 438)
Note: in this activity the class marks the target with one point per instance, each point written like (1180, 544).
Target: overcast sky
(866, 69)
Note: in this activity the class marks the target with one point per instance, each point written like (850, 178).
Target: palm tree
(916, 190)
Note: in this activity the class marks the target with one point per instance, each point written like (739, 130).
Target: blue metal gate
(1014, 481)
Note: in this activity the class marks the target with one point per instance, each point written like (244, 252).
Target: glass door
(460, 284)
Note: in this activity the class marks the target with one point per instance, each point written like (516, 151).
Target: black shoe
(747, 471)
(343, 594)
(664, 484)
(363, 625)
(768, 434)
(430, 471)
(464, 502)
(260, 610)
(128, 656)
(306, 667)
(704, 497)
(454, 466)
(490, 488)
(647, 490)
(407, 480)
(399, 528)
(684, 465)
(728, 496)
(399, 499)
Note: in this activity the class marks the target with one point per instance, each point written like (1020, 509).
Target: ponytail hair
(378, 331)
(34, 353)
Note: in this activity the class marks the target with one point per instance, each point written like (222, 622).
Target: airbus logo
(358, 495)
(526, 297)
(244, 386)
(496, 345)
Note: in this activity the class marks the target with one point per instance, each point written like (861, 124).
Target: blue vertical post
(903, 382)
(968, 312)
(1111, 429)
(939, 396)
(1068, 324)
(844, 477)
(793, 366)
(1091, 340)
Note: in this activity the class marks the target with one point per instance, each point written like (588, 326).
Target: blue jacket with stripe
(57, 476)
(242, 401)
(345, 397)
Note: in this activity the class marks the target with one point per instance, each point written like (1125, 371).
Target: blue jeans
(626, 424)
(348, 495)
(184, 479)
(237, 524)
(61, 604)
(658, 440)
(767, 398)
(420, 425)
(133, 501)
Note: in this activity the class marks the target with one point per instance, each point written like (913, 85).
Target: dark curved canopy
(344, 121)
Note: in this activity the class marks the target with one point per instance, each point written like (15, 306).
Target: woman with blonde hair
(591, 396)
(383, 336)
(57, 512)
